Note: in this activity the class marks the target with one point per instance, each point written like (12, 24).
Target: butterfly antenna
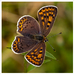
(54, 35)
(52, 47)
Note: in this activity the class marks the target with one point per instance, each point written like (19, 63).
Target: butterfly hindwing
(36, 55)
(28, 25)
(22, 44)
(46, 16)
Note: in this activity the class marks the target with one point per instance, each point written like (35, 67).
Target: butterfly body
(34, 35)
(37, 37)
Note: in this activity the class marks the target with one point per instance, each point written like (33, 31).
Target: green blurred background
(63, 44)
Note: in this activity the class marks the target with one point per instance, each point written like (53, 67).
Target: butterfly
(34, 35)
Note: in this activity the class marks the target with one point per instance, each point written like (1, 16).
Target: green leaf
(8, 48)
(45, 61)
(50, 55)
(24, 53)
(30, 67)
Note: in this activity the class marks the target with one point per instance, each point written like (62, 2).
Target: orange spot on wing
(20, 26)
(38, 59)
(15, 46)
(45, 19)
(35, 50)
(47, 14)
(28, 56)
(32, 52)
(40, 13)
(24, 19)
(43, 10)
(41, 58)
(40, 51)
(18, 39)
(41, 48)
(42, 18)
(40, 55)
(16, 42)
(50, 18)
(16, 49)
(47, 28)
(49, 9)
(34, 57)
(36, 63)
(20, 23)
(43, 23)
(52, 9)
(48, 23)
(21, 29)
(44, 14)
(50, 12)
(53, 15)
(46, 9)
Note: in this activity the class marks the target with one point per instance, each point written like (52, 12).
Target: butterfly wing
(22, 44)
(28, 25)
(46, 16)
(36, 55)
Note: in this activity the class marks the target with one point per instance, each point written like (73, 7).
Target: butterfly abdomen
(40, 38)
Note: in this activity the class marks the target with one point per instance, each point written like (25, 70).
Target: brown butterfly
(34, 35)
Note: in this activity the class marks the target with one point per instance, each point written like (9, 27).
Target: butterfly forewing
(22, 44)
(36, 55)
(28, 25)
(46, 16)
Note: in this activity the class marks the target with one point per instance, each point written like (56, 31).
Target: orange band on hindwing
(15, 45)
